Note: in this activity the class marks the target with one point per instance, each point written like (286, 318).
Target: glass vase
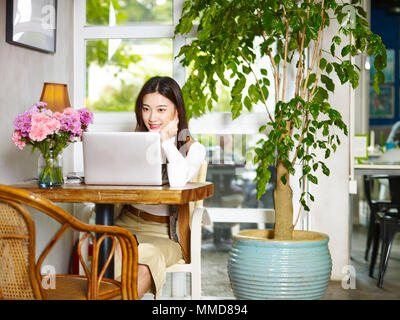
(50, 171)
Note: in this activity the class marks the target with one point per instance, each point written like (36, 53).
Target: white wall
(330, 211)
(22, 73)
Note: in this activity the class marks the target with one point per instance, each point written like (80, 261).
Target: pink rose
(69, 111)
(16, 139)
(57, 115)
(38, 133)
(42, 126)
(53, 124)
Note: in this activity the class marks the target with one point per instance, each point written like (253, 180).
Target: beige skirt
(155, 248)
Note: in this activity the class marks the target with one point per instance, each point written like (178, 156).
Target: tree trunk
(283, 197)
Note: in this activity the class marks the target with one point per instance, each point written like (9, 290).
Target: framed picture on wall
(32, 24)
(389, 71)
(382, 105)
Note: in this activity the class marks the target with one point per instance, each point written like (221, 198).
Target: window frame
(83, 33)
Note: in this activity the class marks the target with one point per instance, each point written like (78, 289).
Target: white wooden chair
(199, 217)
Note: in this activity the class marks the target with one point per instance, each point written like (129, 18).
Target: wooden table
(105, 197)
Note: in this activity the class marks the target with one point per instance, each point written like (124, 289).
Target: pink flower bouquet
(50, 132)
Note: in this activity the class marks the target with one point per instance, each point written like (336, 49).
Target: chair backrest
(200, 177)
(394, 186)
(367, 189)
(18, 277)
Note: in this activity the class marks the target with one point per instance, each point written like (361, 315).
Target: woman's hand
(170, 130)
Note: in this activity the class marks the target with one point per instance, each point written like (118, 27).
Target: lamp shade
(56, 96)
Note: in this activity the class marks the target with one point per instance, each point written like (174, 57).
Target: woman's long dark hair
(170, 89)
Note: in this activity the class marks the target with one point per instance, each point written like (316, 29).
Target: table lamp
(56, 96)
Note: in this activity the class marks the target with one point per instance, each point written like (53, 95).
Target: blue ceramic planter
(263, 268)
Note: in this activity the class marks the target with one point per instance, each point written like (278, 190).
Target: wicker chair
(20, 276)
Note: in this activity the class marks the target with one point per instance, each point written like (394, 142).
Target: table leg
(105, 216)
(184, 230)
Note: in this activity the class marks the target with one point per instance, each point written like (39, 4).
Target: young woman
(160, 108)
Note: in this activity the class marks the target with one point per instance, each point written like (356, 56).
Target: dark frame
(39, 28)
(389, 71)
(382, 106)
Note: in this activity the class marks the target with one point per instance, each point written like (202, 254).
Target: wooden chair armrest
(129, 263)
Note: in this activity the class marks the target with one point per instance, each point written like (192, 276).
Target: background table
(105, 197)
(377, 169)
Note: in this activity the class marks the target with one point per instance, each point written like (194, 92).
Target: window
(112, 82)
(119, 45)
(103, 13)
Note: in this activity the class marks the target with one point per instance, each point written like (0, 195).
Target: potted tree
(233, 37)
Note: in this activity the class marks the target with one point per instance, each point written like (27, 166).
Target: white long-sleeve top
(188, 166)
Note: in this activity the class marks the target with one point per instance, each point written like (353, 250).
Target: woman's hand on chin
(170, 130)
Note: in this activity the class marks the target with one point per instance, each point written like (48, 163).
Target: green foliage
(117, 99)
(236, 35)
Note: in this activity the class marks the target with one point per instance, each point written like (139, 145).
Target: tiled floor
(215, 281)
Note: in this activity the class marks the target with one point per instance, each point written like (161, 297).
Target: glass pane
(231, 170)
(128, 12)
(116, 69)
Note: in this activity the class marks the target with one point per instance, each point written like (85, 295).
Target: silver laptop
(123, 158)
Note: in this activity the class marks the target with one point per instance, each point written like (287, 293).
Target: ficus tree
(233, 36)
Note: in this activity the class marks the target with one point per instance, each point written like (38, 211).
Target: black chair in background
(387, 224)
(374, 206)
